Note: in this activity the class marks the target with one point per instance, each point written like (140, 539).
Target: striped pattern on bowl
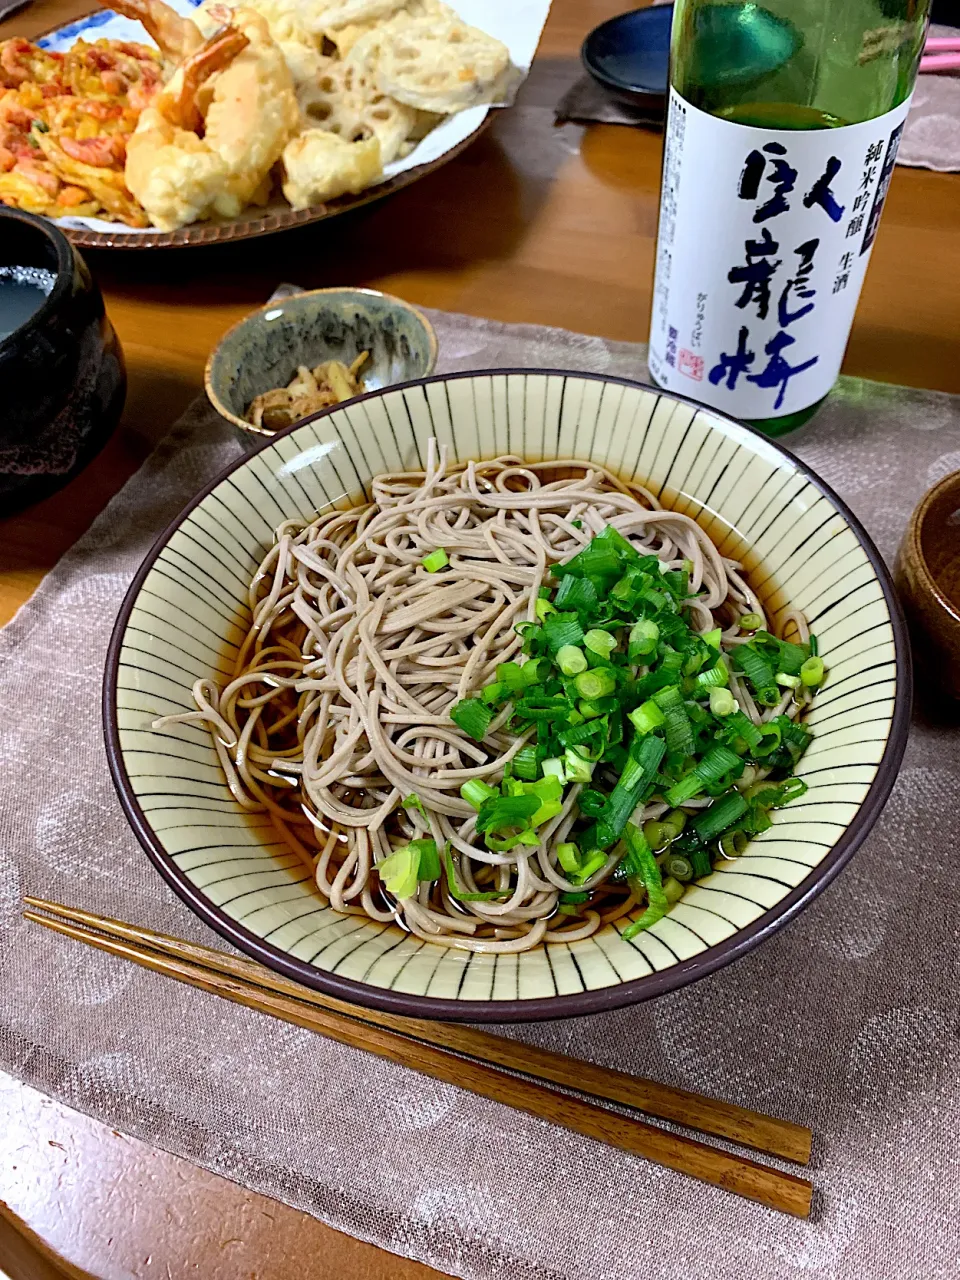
(185, 614)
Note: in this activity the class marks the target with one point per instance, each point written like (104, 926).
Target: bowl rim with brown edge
(913, 544)
(242, 423)
(590, 1000)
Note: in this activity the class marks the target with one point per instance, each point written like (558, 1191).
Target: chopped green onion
(589, 710)
(787, 682)
(535, 707)
(733, 844)
(476, 792)
(510, 675)
(494, 693)
(577, 593)
(722, 702)
(758, 671)
(646, 717)
(595, 684)
(702, 862)
(751, 622)
(531, 670)
(577, 524)
(455, 890)
(796, 735)
(690, 785)
(429, 865)
(741, 726)
(676, 727)
(435, 560)
(501, 813)
(591, 866)
(711, 822)
(674, 821)
(812, 671)
(574, 898)
(642, 871)
(792, 658)
(716, 677)
(656, 834)
(525, 763)
(413, 802)
(792, 789)
(679, 867)
(770, 737)
(636, 779)
(600, 642)
(543, 608)
(568, 855)
(603, 559)
(716, 764)
(576, 767)
(712, 638)
(579, 733)
(570, 659)
(562, 629)
(643, 639)
(398, 872)
(503, 844)
(814, 645)
(473, 717)
(673, 890)
(554, 768)
(591, 802)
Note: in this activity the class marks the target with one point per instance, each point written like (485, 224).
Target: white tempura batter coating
(248, 112)
(319, 166)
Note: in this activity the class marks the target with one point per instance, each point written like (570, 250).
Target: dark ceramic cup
(62, 380)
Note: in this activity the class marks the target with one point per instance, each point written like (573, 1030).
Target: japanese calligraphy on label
(764, 241)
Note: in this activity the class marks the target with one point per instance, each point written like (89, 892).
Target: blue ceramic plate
(629, 56)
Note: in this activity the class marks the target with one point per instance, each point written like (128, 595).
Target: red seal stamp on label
(690, 364)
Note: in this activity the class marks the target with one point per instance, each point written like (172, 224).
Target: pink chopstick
(942, 45)
(943, 62)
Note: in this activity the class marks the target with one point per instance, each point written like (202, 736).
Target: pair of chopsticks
(941, 53)
(482, 1063)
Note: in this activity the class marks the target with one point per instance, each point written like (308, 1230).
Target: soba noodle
(338, 708)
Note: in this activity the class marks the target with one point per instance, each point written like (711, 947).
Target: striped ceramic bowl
(758, 504)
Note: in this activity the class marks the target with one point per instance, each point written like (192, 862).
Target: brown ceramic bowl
(928, 579)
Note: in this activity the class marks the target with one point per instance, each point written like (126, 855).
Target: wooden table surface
(532, 223)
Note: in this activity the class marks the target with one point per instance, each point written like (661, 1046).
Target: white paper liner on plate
(518, 23)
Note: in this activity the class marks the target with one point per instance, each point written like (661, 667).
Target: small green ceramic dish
(265, 349)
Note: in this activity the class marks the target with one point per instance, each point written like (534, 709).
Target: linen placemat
(846, 1020)
(931, 137)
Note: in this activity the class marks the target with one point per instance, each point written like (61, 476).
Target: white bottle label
(764, 240)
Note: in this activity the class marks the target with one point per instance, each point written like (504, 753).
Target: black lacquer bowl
(62, 380)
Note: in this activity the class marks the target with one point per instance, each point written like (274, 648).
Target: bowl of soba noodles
(507, 695)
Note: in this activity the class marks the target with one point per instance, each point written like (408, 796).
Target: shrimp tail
(217, 52)
(175, 36)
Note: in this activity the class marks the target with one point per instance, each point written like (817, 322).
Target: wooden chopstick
(748, 1178)
(707, 1115)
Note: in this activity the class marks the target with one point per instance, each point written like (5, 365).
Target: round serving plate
(185, 613)
(252, 222)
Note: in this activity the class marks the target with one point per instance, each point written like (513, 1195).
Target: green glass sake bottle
(783, 124)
